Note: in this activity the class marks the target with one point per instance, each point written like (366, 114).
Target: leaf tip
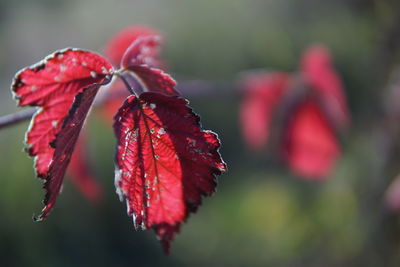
(37, 218)
(40, 217)
(166, 233)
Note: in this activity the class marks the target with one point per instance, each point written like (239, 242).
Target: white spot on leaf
(161, 131)
(63, 67)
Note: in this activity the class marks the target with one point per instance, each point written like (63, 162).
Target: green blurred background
(261, 215)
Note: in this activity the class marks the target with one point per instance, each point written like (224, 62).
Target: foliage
(164, 161)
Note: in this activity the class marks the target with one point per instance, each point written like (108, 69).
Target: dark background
(262, 215)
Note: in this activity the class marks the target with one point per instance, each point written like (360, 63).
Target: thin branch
(191, 89)
(15, 118)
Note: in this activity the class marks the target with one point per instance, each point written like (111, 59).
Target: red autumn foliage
(317, 70)
(53, 86)
(123, 45)
(310, 145)
(120, 42)
(258, 108)
(165, 162)
(132, 46)
(143, 51)
(310, 109)
(162, 154)
(64, 145)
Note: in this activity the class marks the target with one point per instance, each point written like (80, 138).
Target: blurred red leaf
(120, 42)
(80, 171)
(310, 145)
(317, 69)
(53, 85)
(263, 94)
(311, 110)
(144, 50)
(165, 162)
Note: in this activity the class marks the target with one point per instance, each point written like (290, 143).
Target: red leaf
(263, 93)
(143, 51)
(310, 148)
(165, 162)
(142, 79)
(320, 75)
(52, 85)
(120, 42)
(80, 172)
(154, 80)
(64, 146)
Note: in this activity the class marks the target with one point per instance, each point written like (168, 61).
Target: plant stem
(15, 118)
(134, 86)
(191, 88)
